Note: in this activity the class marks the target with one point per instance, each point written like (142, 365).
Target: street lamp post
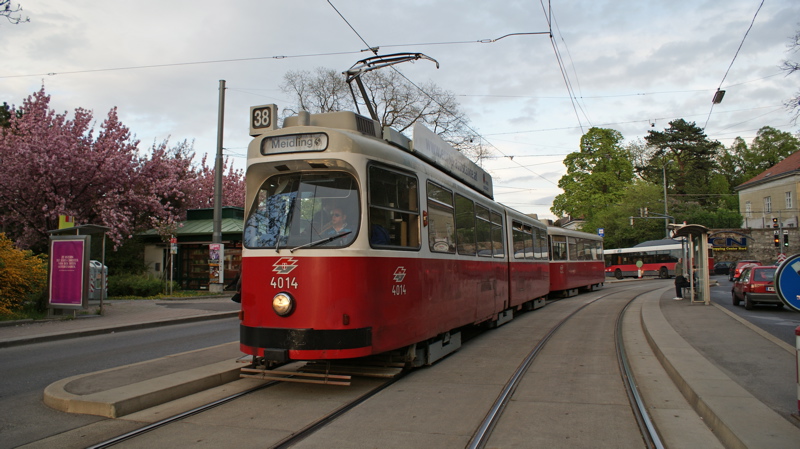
(666, 221)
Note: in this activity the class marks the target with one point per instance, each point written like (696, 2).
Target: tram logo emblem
(284, 265)
(399, 274)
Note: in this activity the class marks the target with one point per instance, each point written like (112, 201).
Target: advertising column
(216, 260)
(69, 272)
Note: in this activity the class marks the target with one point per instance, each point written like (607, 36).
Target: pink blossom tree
(233, 186)
(51, 165)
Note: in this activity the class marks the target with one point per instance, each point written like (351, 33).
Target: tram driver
(338, 223)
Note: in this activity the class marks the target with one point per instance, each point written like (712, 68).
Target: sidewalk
(119, 315)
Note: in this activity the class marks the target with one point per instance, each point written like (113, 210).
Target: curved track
(569, 389)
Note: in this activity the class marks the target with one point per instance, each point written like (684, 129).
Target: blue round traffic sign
(787, 282)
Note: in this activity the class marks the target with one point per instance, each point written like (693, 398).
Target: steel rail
(646, 426)
(303, 433)
(481, 436)
(484, 431)
(152, 426)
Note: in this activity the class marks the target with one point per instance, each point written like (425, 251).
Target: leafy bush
(133, 285)
(23, 276)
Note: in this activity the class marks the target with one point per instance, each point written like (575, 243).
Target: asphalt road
(26, 371)
(780, 322)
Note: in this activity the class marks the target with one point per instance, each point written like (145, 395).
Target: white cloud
(633, 63)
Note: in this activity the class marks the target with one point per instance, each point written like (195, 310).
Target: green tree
(769, 147)
(693, 158)
(5, 115)
(596, 175)
(730, 162)
(615, 218)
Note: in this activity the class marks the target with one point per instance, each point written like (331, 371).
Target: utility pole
(216, 236)
(666, 221)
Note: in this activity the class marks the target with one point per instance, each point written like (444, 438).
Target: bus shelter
(69, 272)
(697, 252)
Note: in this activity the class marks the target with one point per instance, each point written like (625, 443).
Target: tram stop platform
(707, 351)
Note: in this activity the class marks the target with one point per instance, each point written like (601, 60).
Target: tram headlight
(283, 304)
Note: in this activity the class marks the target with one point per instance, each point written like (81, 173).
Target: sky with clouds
(633, 66)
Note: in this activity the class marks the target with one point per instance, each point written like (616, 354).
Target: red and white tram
(576, 261)
(359, 241)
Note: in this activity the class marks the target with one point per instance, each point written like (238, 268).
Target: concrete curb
(138, 396)
(737, 418)
(111, 329)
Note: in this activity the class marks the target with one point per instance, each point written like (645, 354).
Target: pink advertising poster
(67, 270)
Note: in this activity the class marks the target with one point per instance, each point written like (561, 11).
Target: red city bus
(658, 260)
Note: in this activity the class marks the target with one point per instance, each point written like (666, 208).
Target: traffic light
(786, 239)
(775, 223)
(777, 240)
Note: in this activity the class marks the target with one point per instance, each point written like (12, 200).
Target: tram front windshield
(304, 209)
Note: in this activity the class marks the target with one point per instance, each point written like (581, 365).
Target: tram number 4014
(283, 282)
(399, 289)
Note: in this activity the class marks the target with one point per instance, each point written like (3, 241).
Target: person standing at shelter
(680, 280)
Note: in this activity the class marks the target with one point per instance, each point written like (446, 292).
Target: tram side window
(465, 225)
(572, 246)
(498, 250)
(483, 231)
(540, 244)
(519, 240)
(577, 249)
(559, 247)
(597, 250)
(441, 221)
(393, 209)
(523, 241)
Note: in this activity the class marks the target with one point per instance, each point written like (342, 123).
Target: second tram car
(576, 261)
(359, 241)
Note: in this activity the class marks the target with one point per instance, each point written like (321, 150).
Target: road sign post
(787, 282)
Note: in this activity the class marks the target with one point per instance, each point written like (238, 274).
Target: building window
(789, 201)
(767, 204)
(748, 209)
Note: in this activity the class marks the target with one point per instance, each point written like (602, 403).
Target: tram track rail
(484, 431)
(172, 419)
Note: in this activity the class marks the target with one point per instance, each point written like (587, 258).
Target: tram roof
(426, 145)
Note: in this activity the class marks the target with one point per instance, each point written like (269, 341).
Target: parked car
(755, 286)
(723, 267)
(734, 273)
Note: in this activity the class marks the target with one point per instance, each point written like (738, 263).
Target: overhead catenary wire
(732, 61)
(430, 97)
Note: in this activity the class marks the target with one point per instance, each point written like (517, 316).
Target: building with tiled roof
(773, 194)
(191, 260)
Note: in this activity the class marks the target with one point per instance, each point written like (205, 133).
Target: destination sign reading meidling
(294, 143)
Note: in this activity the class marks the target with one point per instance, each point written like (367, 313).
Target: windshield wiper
(320, 242)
